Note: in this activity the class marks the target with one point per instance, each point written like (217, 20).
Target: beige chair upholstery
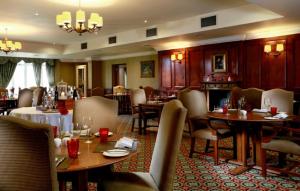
(138, 96)
(27, 156)
(163, 163)
(98, 91)
(25, 98)
(195, 102)
(103, 112)
(280, 98)
(38, 94)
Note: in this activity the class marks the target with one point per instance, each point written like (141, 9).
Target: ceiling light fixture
(8, 45)
(64, 21)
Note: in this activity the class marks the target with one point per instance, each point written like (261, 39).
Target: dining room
(151, 95)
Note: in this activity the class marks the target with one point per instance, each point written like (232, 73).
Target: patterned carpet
(199, 173)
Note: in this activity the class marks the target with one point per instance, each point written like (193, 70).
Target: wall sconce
(176, 57)
(279, 48)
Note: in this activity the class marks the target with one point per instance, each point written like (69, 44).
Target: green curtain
(50, 66)
(7, 70)
(37, 67)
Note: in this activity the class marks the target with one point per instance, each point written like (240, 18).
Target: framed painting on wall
(147, 69)
(219, 63)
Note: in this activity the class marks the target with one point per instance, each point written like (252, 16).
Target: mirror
(81, 79)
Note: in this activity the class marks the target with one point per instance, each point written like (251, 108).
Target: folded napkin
(126, 142)
(218, 110)
(260, 110)
(281, 115)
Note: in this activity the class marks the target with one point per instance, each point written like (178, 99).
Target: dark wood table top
(250, 117)
(88, 159)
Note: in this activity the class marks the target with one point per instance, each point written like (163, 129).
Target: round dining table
(242, 125)
(90, 160)
(51, 117)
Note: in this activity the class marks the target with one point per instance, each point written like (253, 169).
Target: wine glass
(87, 127)
(76, 130)
(267, 103)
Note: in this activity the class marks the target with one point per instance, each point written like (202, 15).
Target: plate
(116, 153)
(109, 134)
(271, 118)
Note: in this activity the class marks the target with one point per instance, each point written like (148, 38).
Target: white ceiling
(126, 17)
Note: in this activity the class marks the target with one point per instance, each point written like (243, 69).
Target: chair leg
(207, 146)
(132, 126)
(193, 141)
(145, 126)
(216, 153)
(263, 163)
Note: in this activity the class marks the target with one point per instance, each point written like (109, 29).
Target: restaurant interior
(149, 95)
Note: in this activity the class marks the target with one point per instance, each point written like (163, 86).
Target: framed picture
(147, 69)
(219, 63)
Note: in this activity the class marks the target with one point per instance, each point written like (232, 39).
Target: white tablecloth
(54, 119)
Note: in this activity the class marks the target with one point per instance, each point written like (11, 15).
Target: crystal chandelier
(64, 21)
(8, 45)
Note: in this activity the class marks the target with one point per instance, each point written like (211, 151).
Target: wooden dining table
(155, 106)
(242, 125)
(89, 160)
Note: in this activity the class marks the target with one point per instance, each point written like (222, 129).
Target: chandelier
(8, 45)
(64, 21)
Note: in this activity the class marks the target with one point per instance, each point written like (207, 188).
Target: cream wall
(65, 71)
(134, 79)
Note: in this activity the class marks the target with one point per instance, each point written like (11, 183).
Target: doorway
(81, 79)
(119, 75)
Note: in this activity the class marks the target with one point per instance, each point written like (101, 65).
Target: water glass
(103, 133)
(73, 147)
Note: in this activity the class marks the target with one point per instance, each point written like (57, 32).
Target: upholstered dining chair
(252, 97)
(195, 102)
(287, 144)
(282, 99)
(25, 98)
(38, 94)
(102, 111)
(138, 96)
(97, 91)
(27, 156)
(163, 163)
(149, 91)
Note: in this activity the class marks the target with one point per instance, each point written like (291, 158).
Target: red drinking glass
(73, 147)
(103, 132)
(273, 110)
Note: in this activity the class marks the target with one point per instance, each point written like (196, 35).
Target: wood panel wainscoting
(246, 60)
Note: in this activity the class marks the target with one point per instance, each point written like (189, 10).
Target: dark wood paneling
(196, 68)
(273, 71)
(96, 74)
(246, 61)
(166, 71)
(252, 63)
(179, 74)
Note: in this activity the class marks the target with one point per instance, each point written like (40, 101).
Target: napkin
(281, 115)
(126, 142)
(260, 110)
(218, 110)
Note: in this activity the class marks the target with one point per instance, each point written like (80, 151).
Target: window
(24, 77)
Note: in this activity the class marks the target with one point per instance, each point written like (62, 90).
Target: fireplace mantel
(219, 85)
